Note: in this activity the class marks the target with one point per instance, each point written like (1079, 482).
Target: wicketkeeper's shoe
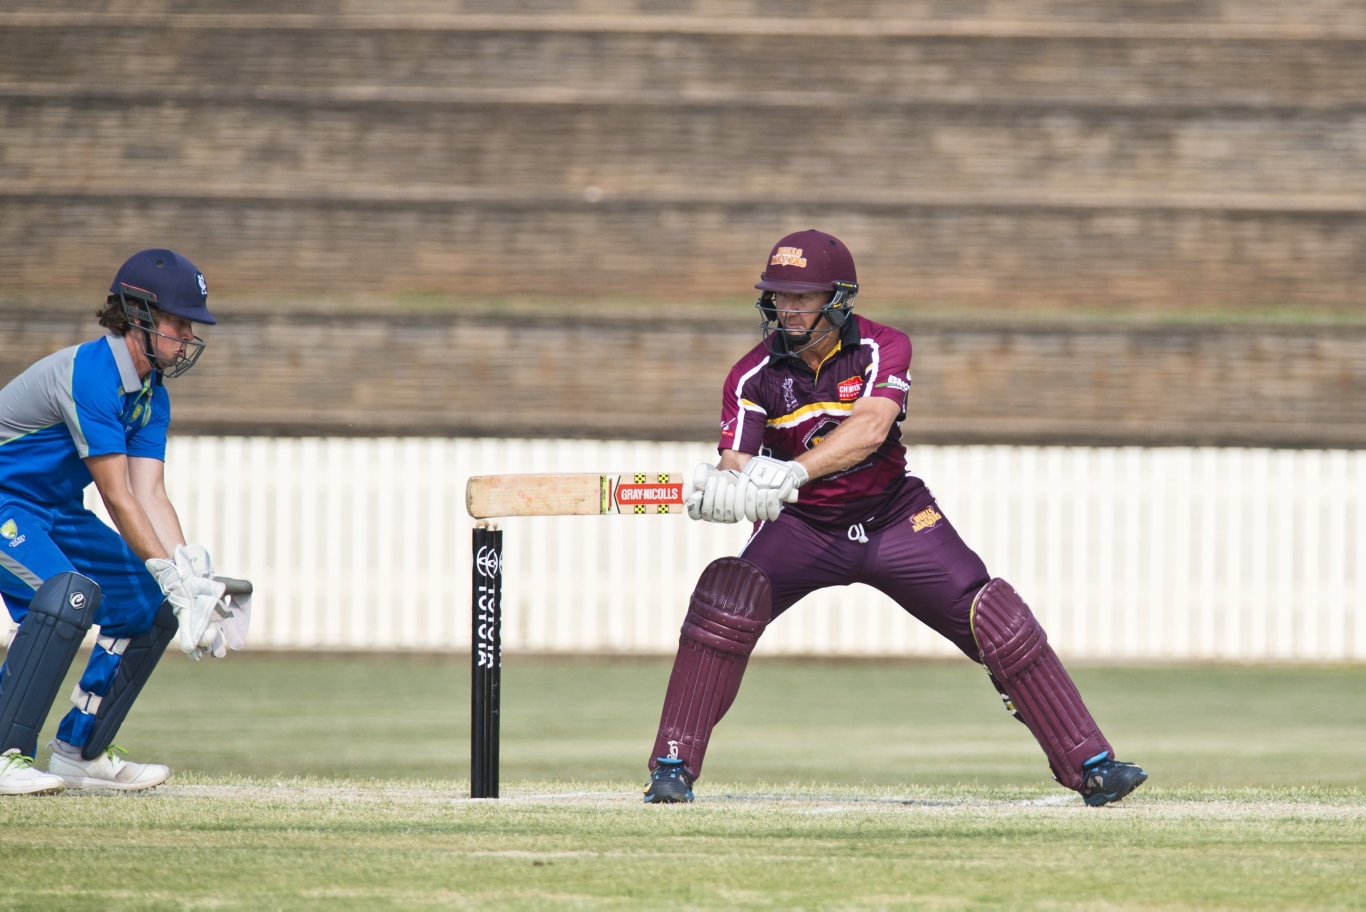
(669, 783)
(1107, 779)
(18, 777)
(108, 770)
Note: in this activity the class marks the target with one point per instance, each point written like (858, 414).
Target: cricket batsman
(811, 453)
(98, 412)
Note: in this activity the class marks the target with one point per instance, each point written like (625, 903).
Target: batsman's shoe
(669, 783)
(18, 777)
(1107, 779)
(108, 770)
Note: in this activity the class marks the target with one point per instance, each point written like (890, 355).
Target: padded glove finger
(697, 487)
(775, 474)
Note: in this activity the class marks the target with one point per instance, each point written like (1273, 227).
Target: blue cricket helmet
(168, 282)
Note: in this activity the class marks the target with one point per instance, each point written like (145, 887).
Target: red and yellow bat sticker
(645, 492)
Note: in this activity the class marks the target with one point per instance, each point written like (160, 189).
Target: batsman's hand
(772, 483)
(715, 496)
(194, 599)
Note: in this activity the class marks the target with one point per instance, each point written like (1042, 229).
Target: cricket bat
(234, 586)
(574, 494)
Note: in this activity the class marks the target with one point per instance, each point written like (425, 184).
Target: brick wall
(1126, 170)
(986, 156)
(526, 375)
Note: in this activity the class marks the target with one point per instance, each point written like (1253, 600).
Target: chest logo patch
(10, 530)
(850, 389)
(812, 440)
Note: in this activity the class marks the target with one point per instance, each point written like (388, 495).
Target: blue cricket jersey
(86, 400)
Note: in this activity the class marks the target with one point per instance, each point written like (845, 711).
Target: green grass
(340, 782)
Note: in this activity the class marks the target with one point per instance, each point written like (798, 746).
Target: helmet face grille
(140, 308)
(836, 311)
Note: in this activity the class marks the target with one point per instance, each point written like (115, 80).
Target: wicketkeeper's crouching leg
(44, 646)
(730, 607)
(83, 753)
(1014, 648)
(113, 678)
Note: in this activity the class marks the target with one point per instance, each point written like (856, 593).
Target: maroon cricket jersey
(776, 405)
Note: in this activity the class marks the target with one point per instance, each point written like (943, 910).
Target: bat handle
(235, 586)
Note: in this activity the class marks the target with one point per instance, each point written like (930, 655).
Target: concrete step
(957, 258)
(775, 15)
(321, 61)
(108, 142)
(1100, 382)
(1159, 160)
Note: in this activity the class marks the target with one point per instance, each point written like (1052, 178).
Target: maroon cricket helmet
(808, 261)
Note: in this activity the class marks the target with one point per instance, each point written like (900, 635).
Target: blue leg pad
(140, 656)
(48, 638)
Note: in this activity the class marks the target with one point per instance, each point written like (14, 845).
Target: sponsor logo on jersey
(927, 518)
(788, 256)
(850, 389)
(897, 383)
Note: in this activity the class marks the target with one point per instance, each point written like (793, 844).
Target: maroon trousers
(919, 562)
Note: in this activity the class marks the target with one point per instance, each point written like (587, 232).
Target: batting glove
(776, 479)
(716, 496)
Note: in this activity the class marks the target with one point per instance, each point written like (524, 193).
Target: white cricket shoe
(18, 777)
(106, 771)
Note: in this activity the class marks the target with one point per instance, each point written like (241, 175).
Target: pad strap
(94, 730)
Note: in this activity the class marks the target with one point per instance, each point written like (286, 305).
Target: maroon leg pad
(729, 609)
(1015, 649)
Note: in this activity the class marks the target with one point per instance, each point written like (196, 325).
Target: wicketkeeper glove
(194, 599)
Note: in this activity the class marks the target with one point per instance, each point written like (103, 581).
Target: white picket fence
(1124, 553)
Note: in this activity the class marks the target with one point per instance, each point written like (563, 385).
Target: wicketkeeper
(98, 412)
(811, 453)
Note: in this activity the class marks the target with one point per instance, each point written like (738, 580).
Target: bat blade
(574, 494)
